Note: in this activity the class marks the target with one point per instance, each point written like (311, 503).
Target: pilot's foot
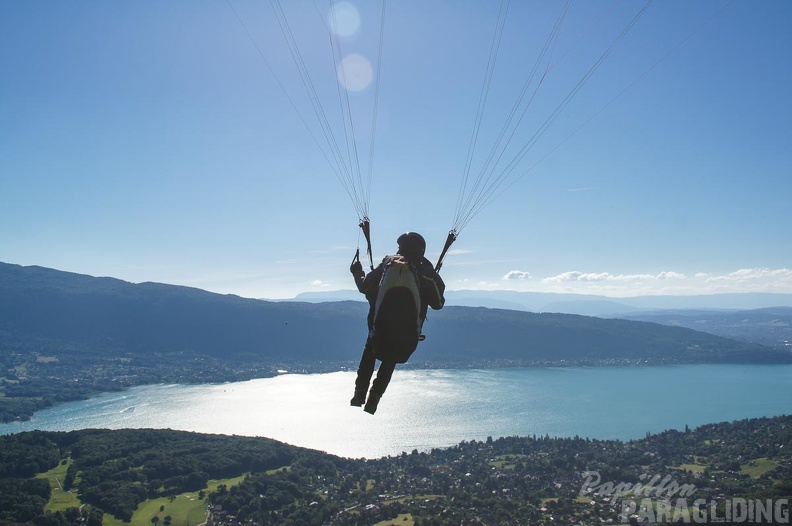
(359, 399)
(371, 403)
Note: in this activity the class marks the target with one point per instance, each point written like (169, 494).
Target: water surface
(423, 409)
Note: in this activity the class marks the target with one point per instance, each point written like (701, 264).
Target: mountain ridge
(49, 308)
(584, 304)
(66, 336)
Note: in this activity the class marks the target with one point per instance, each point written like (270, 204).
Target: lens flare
(344, 19)
(355, 73)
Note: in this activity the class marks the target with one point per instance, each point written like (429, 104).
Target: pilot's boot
(359, 398)
(371, 403)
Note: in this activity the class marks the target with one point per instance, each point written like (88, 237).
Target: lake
(423, 409)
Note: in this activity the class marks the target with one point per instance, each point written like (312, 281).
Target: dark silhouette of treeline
(507, 480)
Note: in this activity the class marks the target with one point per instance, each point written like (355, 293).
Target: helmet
(411, 244)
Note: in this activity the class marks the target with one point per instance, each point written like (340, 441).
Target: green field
(185, 509)
(694, 468)
(403, 519)
(59, 499)
(505, 461)
(757, 468)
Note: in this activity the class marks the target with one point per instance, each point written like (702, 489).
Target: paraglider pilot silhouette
(399, 292)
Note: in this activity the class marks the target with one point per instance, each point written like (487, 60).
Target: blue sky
(149, 141)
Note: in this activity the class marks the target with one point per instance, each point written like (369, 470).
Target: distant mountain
(48, 310)
(456, 298)
(585, 304)
(769, 326)
(323, 297)
(591, 307)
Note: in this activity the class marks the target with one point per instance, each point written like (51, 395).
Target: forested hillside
(55, 312)
(151, 476)
(770, 326)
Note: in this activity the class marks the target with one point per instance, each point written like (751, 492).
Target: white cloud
(760, 279)
(744, 275)
(317, 283)
(575, 276)
(517, 274)
(671, 275)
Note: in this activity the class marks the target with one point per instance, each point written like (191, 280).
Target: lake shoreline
(86, 391)
(82, 389)
(423, 408)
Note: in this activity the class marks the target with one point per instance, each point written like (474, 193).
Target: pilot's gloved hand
(356, 268)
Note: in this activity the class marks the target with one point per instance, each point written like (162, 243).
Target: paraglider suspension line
(365, 226)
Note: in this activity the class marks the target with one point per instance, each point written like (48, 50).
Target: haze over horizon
(151, 142)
